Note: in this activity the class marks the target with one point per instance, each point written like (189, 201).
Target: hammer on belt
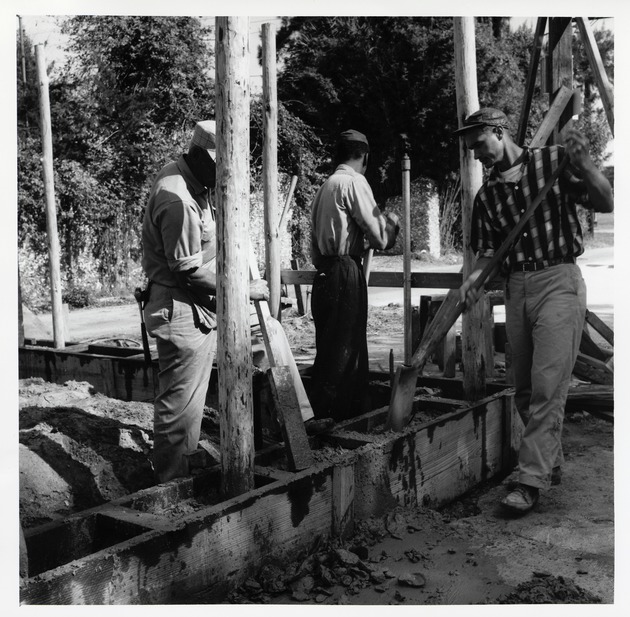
(141, 298)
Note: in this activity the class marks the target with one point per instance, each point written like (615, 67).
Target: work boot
(318, 425)
(522, 499)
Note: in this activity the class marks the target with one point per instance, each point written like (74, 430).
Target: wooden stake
(467, 102)
(49, 187)
(234, 352)
(270, 167)
(597, 66)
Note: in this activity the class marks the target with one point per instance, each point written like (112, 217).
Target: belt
(531, 266)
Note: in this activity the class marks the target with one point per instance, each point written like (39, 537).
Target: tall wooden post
(270, 167)
(49, 188)
(234, 352)
(473, 354)
(560, 67)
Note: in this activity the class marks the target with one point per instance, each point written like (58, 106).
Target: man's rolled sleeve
(367, 214)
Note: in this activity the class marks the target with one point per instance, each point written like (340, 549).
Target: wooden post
(49, 188)
(270, 167)
(560, 65)
(234, 352)
(473, 348)
(597, 66)
(406, 199)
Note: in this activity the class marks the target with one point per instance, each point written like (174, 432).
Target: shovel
(404, 388)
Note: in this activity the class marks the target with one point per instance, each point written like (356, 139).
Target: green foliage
(387, 76)
(78, 297)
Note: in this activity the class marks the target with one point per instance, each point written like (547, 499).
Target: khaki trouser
(545, 313)
(185, 356)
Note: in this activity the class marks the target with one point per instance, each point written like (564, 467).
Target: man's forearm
(599, 191)
(199, 280)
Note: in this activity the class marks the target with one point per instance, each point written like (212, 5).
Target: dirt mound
(548, 589)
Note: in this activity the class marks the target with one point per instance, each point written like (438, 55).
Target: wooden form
(429, 280)
(133, 551)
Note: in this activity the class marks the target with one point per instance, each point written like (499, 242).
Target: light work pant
(185, 356)
(545, 313)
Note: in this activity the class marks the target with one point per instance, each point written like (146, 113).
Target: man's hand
(258, 290)
(576, 146)
(467, 293)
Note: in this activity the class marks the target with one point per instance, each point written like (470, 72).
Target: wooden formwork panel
(208, 552)
(205, 554)
(435, 463)
(127, 379)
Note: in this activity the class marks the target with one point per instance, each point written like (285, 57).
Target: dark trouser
(339, 386)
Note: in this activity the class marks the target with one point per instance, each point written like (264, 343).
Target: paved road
(597, 267)
(124, 321)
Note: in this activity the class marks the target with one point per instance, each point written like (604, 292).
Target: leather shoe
(522, 499)
(318, 425)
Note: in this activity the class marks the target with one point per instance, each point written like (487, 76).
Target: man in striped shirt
(344, 217)
(545, 295)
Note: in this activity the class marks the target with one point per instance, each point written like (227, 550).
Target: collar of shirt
(346, 169)
(512, 175)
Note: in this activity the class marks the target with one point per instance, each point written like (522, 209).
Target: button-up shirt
(553, 232)
(178, 231)
(343, 213)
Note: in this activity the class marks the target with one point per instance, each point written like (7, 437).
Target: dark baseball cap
(352, 135)
(486, 116)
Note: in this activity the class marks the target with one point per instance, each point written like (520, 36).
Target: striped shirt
(553, 232)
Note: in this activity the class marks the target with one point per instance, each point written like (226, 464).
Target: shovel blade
(401, 402)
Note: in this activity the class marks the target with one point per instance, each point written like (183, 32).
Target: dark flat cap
(486, 116)
(352, 135)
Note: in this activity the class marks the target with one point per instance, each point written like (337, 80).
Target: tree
(391, 76)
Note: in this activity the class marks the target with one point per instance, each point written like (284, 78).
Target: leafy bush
(78, 297)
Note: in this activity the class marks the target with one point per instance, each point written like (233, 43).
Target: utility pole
(51, 212)
(270, 167)
(473, 349)
(234, 350)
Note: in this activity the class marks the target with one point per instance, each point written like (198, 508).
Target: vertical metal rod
(406, 199)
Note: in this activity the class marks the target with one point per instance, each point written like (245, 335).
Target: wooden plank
(600, 327)
(590, 348)
(270, 166)
(443, 459)
(343, 501)
(287, 407)
(298, 289)
(552, 117)
(530, 82)
(593, 370)
(560, 67)
(597, 66)
(428, 280)
(212, 550)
